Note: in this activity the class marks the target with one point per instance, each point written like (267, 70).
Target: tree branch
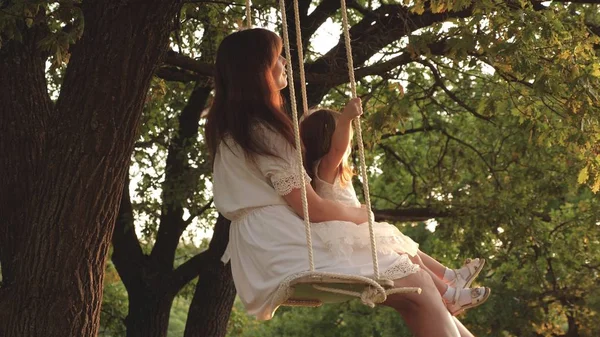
(200, 212)
(391, 152)
(174, 189)
(410, 131)
(175, 75)
(590, 2)
(185, 62)
(543, 216)
(127, 252)
(409, 214)
(387, 24)
(189, 270)
(479, 154)
(440, 83)
(324, 11)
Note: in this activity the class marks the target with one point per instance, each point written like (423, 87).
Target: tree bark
(215, 292)
(149, 310)
(64, 165)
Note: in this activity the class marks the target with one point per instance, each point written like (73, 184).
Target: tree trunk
(64, 165)
(215, 291)
(148, 314)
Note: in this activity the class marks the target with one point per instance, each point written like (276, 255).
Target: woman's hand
(352, 109)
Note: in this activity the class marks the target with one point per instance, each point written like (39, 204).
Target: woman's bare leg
(424, 313)
(464, 332)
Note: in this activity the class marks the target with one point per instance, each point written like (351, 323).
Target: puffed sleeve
(280, 170)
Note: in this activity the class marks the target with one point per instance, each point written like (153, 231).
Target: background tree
(65, 159)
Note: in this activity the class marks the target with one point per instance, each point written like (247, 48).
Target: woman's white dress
(267, 241)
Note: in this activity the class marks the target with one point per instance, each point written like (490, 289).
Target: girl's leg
(468, 272)
(437, 268)
(424, 313)
(437, 281)
(457, 298)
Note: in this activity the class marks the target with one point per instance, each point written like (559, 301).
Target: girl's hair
(246, 93)
(316, 132)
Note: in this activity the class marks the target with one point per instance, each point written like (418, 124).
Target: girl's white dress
(343, 238)
(267, 242)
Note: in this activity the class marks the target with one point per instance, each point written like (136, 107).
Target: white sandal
(478, 297)
(474, 266)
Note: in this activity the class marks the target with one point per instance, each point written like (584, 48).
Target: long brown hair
(316, 132)
(245, 92)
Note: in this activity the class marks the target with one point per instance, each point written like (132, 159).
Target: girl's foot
(466, 299)
(463, 277)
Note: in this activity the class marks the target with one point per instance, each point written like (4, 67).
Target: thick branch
(409, 214)
(410, 131)
(387, 24)
(324, 11)
(336, 77)
(175, 188)
(188, 63)
(176, 75)
(591, 2)
(127, 253)
(189, 270)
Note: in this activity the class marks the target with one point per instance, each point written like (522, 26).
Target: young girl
(257, 186)
(326, 135)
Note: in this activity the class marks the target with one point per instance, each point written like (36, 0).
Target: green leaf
(583, 175)
(595, 70)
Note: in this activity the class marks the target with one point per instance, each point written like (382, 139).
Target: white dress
(343, 238)
(267, 242)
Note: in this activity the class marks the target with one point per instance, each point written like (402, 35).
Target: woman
(257, 186)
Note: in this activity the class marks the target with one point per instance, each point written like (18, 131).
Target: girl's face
(279, 74)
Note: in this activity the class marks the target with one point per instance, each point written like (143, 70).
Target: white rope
(361, 147)
(300, 48)
(300, 168)
(248, 14)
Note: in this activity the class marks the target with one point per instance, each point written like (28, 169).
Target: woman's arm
(320, 209)
(340, 141)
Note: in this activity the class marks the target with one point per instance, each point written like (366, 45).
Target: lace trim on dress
(285, 182)
(403, 268)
